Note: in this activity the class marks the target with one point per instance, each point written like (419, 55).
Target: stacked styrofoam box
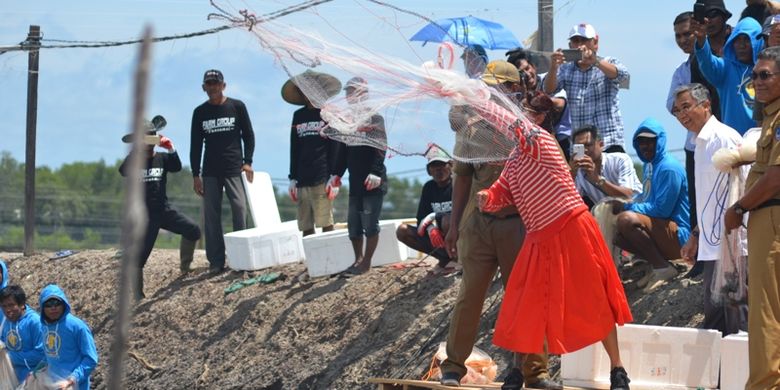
(262, 200)
(258, 248)
(656, 357)
(331, 252)
(734, 367)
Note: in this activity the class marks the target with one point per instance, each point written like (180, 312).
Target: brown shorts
(314, 207)
(664, 234)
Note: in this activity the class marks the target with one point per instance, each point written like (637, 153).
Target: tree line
(79, 205)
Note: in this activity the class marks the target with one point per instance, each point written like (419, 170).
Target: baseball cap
(500, 71)
(584, 30)
(475, 49)
(647, 134)
(769, 22)
(152, 127)
(356, 83)
(213, 75)
(435, 153)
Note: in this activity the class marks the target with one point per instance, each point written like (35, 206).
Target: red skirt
(564, 288)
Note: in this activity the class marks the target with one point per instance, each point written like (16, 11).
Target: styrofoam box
(259, 248)
(262, 200)
(656, 357)
(331, 252)
(734, 367)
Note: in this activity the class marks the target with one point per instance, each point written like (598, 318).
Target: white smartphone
(152, 139)
(578, 151)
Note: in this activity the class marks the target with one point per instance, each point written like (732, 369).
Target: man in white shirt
(598, 175)
(692, 109)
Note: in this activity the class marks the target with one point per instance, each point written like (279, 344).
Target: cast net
(420, 103)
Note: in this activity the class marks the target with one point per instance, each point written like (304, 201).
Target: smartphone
(152, 139)
(578, 151)
(570, 55)
(698, 12)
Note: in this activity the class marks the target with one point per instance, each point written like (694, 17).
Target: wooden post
(32, 45)
(546, 25)
(134, 220)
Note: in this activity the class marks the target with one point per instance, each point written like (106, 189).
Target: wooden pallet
(410, 384)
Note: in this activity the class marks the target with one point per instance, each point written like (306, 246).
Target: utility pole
(545, 25)
(32, 45)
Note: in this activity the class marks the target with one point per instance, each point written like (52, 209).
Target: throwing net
(410, 96)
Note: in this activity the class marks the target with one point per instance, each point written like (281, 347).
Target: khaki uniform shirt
(768, 146)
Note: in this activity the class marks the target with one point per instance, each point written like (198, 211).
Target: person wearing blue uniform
(20, 331)
(71, 355)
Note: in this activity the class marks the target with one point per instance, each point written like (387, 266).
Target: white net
(406, 94)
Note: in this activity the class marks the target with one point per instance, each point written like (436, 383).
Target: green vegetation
(79, 205)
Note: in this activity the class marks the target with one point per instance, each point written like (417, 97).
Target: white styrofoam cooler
(734, 367)
(258, 248)
(262, 200)
(656, 357)
(331, 252)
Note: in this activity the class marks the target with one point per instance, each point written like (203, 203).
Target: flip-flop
(63, 254)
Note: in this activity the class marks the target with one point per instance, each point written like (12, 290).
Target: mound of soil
(294, 333)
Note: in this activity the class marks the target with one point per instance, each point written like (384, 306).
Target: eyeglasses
(52, 303)
(684, 110)
(764, 75)
(713, 13)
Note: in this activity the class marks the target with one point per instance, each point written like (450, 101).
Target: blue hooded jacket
(24, 341)
(68, 343)
(5, 274)
(668, 195)
(4, 269)
(732, 78)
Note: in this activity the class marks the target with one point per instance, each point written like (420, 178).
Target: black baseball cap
(213, 75)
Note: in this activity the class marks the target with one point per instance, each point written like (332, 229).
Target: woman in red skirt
(564, 287)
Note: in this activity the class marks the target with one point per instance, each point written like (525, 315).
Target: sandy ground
(325, 333)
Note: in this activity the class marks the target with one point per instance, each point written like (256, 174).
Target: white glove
(372, 181)
(332, 188)
(292, 189)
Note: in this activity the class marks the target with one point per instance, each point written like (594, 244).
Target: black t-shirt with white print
(222, 128)
(312, 154)
(154, 175)
(434, 199)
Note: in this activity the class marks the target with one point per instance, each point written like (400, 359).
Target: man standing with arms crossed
(222, 124)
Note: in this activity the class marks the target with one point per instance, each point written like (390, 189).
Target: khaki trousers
(485, 244)
(764, 298)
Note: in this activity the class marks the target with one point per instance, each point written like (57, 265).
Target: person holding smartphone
(591, 84)
(598, 175)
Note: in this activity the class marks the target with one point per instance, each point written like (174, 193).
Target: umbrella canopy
(468, 30)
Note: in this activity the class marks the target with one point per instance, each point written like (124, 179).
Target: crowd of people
(548, 218)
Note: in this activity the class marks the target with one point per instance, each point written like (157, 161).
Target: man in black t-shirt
(161, 215)
(433, 211)
(313, 182)
(222, 124)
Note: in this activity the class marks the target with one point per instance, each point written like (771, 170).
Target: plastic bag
(7, 375)
(729, 281)
(481, 369)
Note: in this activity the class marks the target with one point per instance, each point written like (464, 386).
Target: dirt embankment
(327, 333)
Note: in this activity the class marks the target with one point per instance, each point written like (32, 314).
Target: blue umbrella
(468, 30)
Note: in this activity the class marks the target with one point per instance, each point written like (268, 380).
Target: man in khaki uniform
(482, 243)
(762, 200)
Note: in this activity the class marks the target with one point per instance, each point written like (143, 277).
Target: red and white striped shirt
(536, 178)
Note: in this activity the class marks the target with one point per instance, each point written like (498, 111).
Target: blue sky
(84, 94)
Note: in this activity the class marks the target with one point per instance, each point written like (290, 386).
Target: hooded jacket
(667, 197)
(68, 343)
(732, 78)
(24, 341)
(4, 282)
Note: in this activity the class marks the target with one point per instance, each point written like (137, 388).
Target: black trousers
(171, 220)
(690, 173)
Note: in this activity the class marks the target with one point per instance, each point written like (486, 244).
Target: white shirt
(617, 168)
(712, 186)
